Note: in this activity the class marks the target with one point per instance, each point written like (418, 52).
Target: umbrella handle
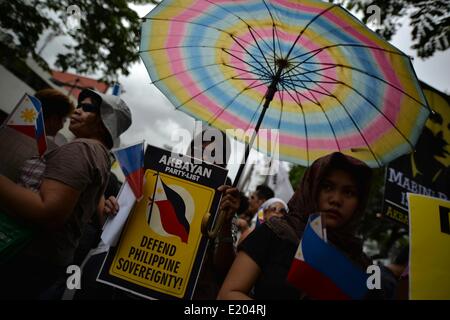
(217, 226)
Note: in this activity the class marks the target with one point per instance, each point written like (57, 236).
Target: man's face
(254, 202)
(85, 121)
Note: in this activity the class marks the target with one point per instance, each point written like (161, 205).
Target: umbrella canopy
(307, 68)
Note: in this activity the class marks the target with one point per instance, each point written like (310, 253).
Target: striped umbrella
(306, 68)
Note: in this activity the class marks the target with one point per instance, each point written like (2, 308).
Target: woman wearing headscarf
(336, 186)
(273, 207)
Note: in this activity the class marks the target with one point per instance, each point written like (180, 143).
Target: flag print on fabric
(27, 118)
(259, 217)
(321, 271)
(172, 210)
(131, 160)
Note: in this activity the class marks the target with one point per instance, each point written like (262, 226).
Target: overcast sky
(155, 119)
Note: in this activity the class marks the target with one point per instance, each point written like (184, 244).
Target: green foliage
(106, 41)
(295, 175)
(429, 20)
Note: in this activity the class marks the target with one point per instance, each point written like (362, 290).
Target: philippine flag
(27, 118)
(172, 211)
(321, 271)
(259, 217)
(131, 160)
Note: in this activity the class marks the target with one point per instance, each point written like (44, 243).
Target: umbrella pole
(271, 90)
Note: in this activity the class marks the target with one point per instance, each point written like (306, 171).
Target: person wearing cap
(64, 195)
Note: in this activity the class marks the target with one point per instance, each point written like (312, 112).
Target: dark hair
(244, 203)
(54, 102)
(264, 192)
(403, 257)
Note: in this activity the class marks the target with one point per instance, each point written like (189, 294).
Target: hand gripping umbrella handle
(222, 214)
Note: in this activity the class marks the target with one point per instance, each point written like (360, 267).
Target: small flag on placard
(27, 118)
(131, 160)
(172, 210)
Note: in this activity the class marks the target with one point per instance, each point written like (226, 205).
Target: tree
(106, 40)
(429, 19)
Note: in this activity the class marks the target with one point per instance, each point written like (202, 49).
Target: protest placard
(161, 248)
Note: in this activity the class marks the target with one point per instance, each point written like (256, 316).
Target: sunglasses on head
(88, 107)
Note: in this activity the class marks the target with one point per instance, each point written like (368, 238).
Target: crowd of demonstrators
(66, 194)
(56, 108)
(335, 185)
(59, 197)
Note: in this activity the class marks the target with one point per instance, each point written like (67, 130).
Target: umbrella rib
(187, 46)
(357, 128)
(198, 24)
(216, 116)
(263, 71)
(256, 60)
(318, 50)
(238, 17)
(191, 46)
(292, 87)
(325, 114)
(254, 114)
(372, 76)
(306, 27)
(373, 105)
(184, 71)
(302, 84)
(299, 104)
(314, 81)
(274, 29)
(308, 71)
(359, 131)
(304, 87)
(260, 50)
(275, 32)
(245, 79)
(188, 22)
(235, 15)
(251, 72)
(202, 92)
(202, 12)
(358, 45)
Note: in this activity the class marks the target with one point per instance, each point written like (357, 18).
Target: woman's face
(84, 121)
(338, 198)
(276, 209)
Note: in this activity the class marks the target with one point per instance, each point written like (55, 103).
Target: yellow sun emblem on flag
(28, 115)
(159, 190)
